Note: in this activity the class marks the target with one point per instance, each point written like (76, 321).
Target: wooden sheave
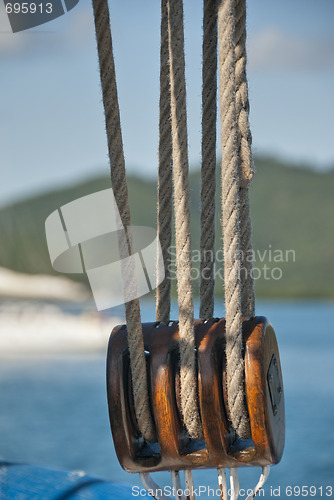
(172, 448)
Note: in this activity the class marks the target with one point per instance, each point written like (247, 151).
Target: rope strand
(118, 177)
(208, 171)
(231, 217)
(165, 179)
(237, 172)
(246, 161)
(188, 372)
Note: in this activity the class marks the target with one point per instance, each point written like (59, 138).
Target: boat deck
(20, 482)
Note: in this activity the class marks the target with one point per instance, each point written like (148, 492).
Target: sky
(51, 116)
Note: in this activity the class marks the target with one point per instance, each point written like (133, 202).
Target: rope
(236, 142)
(118, 177)
(231, 217)
(188, 374)
(165, 184)
(246, 161)
(208, 180)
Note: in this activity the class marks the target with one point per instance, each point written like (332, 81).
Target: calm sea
(53, 410)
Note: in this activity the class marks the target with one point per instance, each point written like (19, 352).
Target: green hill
(292, 212)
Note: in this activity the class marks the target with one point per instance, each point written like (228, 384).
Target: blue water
(53, 410)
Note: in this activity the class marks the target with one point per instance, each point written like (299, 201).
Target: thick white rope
(118, 177)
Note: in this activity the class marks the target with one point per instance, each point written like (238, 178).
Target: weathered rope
(231, 217)
(208, 180)
(165, 179)
(188, 373)
(236, 142)
(245, 158)
(118, 177)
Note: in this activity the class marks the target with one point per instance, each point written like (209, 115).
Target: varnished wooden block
(173, 449)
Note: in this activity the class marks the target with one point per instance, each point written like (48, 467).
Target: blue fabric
(26, 482)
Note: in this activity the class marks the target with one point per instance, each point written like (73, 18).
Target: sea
(53, 407)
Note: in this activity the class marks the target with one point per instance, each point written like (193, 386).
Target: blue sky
(51, 116)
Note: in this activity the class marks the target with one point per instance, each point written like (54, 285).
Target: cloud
(9, 44)
(72, 31)
(274, 49)
(82, 26)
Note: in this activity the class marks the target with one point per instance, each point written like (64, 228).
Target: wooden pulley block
(173, 449)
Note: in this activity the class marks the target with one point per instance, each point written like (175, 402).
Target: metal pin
(222, 484)
(177, 485)
(189, 480)
(234, 484)
(152, 487)
(262, 480)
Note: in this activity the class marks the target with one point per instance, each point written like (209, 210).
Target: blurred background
(53, 150)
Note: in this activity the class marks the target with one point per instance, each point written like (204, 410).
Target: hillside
(292, 210)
